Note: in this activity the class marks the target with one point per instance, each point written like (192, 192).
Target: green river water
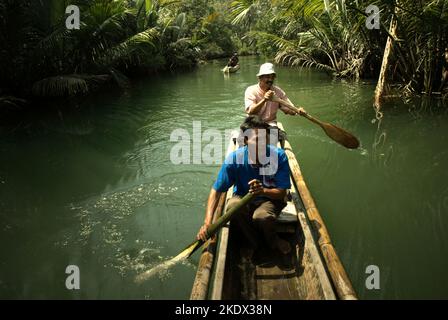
(94, 186)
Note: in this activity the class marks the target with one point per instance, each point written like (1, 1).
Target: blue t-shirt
(236, 170)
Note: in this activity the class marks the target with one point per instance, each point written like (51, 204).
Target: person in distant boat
(258, 97)
(233, 61)
(243, 168)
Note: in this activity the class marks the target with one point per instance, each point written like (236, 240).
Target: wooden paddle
(213, 228)
(191, 248)
(339, 135)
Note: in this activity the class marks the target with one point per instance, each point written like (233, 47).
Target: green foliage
(11, 103)
(120, 38)
(421, 44)
(331, 35)
(60, 86)
(40, 56)
(303, 33)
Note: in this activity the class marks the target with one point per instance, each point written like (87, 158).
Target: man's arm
(287, 110)
(256, 107)
(274, 193)
(212, 203)
(256, 187)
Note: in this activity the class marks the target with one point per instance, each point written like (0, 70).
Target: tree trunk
(382, 80)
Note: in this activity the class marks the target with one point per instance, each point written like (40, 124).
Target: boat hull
(311, 271)
(228, 69)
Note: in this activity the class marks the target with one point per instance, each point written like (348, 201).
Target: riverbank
(53, 51)
(115, 41)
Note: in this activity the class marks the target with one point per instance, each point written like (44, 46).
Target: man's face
(268, 79)
(256, 138)
(257, 141)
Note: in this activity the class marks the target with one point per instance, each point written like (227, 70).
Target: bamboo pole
(382, 80)
(334, 265)
(202, 279)
(220, 264)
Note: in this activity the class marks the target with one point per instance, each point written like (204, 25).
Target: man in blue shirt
(262, 169)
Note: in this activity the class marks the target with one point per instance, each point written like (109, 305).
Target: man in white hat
(258, 98)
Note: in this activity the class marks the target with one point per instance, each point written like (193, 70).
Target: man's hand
(302, 111)
(269, 95)
(256, 187)
(202, 233)
(289, 111)
(292, 112)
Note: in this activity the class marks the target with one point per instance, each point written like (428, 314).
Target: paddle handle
(213, 228)
(312, 119)
(339, 135)
(294, 108)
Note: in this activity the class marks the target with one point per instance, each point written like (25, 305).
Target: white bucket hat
(266, 68)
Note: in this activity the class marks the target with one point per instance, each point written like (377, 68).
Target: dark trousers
(260, 216)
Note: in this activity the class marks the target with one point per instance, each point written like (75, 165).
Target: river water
(93, 185)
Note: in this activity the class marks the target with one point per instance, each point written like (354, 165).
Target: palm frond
(68, 85)
(60, 86)
(145, 40)
(10, 102)
(242, 10)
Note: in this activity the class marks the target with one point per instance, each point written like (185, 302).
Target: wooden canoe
(228, 69)
(312, 271)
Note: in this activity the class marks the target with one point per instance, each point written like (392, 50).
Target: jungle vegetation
(122, 39)
(117, 40)
(332, 35)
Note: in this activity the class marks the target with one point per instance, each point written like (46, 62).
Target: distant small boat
(228, 69)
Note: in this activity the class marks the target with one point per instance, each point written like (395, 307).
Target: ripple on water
(106, 226)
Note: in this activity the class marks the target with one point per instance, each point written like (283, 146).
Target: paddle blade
(340, 135)
(193, 247)
(185, 254)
